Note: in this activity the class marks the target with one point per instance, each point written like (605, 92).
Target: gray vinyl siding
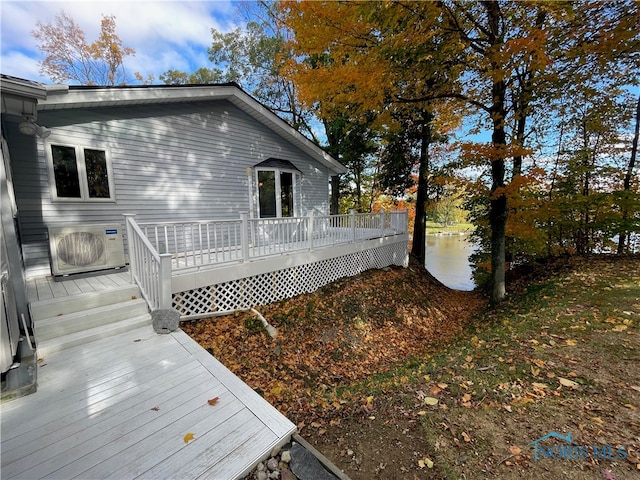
(170, 162)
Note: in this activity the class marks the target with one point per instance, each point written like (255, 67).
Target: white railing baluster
(175, 244)
(244, 239)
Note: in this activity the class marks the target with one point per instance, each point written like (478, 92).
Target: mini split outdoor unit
(85, 248)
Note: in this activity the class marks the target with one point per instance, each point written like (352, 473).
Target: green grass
(555, 328)
(434, 227)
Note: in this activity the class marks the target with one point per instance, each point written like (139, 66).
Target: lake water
(448, 260)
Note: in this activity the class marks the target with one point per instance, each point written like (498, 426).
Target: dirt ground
(392, 375)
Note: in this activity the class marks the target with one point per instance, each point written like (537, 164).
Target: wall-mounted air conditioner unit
(85, 248)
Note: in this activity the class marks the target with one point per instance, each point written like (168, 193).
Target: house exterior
(214, 204)
(213, 201)
(163, 152)
(16, 326)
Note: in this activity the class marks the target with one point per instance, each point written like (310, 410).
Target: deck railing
(150, 270)
(196, 243)
(158, 249)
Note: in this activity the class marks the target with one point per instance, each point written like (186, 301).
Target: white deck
(120, 408)
(46, 288)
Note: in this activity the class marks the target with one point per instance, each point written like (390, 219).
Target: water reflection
(448, 260)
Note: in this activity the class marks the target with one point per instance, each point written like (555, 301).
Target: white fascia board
(97, 97)
(22, 88)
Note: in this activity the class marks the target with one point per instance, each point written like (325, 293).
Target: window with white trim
(277, 189)
(78, 173)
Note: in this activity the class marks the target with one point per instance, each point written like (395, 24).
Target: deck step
(48, 347)
(102, 316)
(75, 303)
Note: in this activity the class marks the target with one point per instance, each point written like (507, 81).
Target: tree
(378, 59)
(405, 161)
(516, 58)
(70, 58)
(354, 145)
(252, 57)
(623, 235)
(202, 76)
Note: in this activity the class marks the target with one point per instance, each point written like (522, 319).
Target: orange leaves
(337, 336)
(188, 437)
(213, 401)
(481, 152)
(436, 389)
(65, 46)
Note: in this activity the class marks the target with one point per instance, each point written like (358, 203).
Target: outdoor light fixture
(42, 132)
(30, 127)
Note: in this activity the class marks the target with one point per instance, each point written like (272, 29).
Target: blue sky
(165, 34)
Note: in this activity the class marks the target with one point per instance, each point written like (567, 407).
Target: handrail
(202, 243)
(150, 270)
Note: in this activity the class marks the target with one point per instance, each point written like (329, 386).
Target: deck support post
(244, 236)
(164, 274)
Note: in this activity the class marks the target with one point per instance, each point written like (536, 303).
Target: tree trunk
(419, 227)
(622, 237)
(498, 222)
(335, 194)
(498, 206)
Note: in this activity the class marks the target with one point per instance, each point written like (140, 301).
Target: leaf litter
(356, 361)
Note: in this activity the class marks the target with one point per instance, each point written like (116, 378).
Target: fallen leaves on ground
(340, 335)
(357, 363)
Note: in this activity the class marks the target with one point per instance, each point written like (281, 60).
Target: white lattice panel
(286, 283)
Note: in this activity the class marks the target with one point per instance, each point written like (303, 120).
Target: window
(267, 193)
(276, 193)
(80, 173)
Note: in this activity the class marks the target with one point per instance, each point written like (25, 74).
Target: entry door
(276, 193)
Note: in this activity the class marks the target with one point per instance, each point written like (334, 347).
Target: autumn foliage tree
(504, 63)
(69, 57)
(372, 65)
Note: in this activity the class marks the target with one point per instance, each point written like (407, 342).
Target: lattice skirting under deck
(286, 283)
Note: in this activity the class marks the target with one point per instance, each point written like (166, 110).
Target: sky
(165, 34)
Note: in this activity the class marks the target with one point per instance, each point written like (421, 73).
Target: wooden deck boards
(120, 408)
(46, 288)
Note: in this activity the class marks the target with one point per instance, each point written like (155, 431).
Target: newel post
(383, 215)
(244, 236)
(352, 224)
(164, 274)
(310, 231)
(128, 218)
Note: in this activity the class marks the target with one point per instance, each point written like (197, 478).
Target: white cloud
(164, 34)
(20, 65)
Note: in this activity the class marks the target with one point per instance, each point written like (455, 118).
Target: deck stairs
(62, 323)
